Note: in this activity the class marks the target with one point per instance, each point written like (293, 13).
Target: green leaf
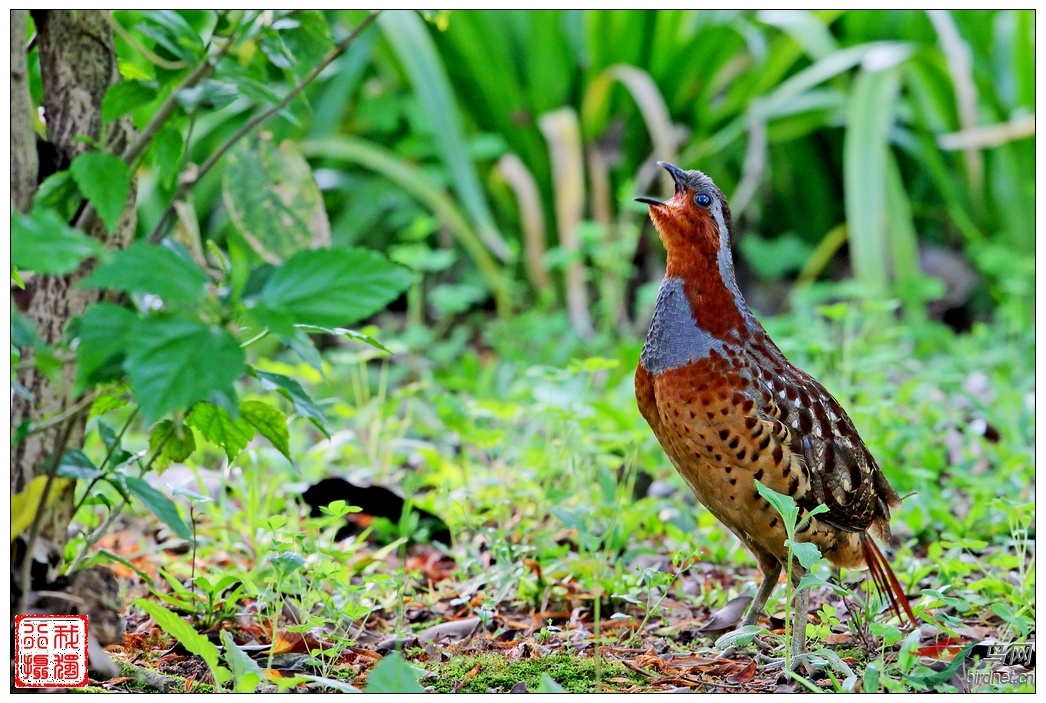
(173, 33)
(273, 199)
(784, 505)
(76, 464)
(103, 334)
(393, 675)
(151, 268)
(191, 639)
(870, 115)
(246, 674)
(807, 553)
(58, 192)
(308, 41)
(105, 180)
(741, 636)
(170, 441)
(270, 422)
(549, 685)
(942, 676)
(348, 334)
(219, 427)
(416, 51)
(42, 242)
(173, 363)
(292, 390)
(124, 97)
(329, 288)
(159, 505)
(167, 149)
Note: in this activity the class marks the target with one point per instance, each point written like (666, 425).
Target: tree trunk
(77, 65)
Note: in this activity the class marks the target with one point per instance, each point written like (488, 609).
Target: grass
(532, 453)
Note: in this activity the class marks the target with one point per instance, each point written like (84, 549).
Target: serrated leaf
(159, 505)
(191, 639)
(105, 180)
(124, 97)
(273, 199)
(329, 288)
(150, 268)
(292, 390)
(170, 441)
(103, 334)
(219, 427)
(24, 505)
(110, 400)
(270, 422)
(174, 363)
(246, 674)
(42, 242)
(393, 675)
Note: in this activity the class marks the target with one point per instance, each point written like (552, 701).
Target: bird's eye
(703, 200)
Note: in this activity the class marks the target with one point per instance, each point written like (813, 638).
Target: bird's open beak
(678, 175)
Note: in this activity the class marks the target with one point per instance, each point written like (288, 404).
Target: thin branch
(108, 457)
(67, 414)
(198, 74)
(187, 184)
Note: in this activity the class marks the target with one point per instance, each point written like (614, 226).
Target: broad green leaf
(25, 504)
(805, 552)
(191, 639)
(740, 636)
(159, 505)
(58, 192)
(329, 288)
(393, 675)
(173, 363)
(103, 334)
(114, 398)
(75, 464)
(219, 427)
(270, 422)
(105, 180)
(124, 97)
(42, 242)
(246, 674)
(292, 390)
(273, 199)
(170, 441)
(113, 447)
(151, 268)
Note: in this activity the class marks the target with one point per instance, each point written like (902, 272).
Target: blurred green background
(498, 152)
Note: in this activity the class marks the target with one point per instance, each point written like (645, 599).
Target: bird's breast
(675, 339)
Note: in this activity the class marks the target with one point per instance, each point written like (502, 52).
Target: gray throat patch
(674, 338)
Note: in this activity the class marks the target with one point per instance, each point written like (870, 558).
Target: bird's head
(695, 222)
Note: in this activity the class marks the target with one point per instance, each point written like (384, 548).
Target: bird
(729, 409)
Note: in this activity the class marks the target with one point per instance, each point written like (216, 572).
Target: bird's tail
(884, 579)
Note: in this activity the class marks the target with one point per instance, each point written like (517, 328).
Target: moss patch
(575, 673)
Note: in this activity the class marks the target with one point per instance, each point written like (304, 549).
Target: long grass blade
(408, 37)
(532, 216)
(563, 134)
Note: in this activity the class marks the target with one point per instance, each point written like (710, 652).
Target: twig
(105, 461)
(66, 414)
(158, 233)
(34, 529)
(201, 72)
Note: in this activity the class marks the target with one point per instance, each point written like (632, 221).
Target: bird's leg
(771, 569)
